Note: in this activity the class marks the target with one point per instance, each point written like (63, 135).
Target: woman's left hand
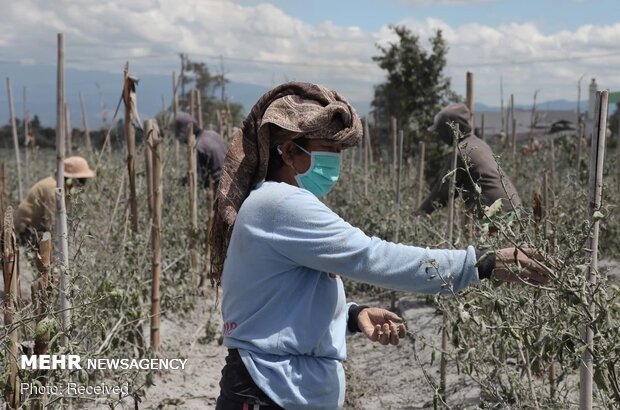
(381, 325)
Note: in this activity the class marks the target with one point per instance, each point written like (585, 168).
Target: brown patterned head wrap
(311, 111)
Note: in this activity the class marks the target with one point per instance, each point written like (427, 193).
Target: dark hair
(280, 134)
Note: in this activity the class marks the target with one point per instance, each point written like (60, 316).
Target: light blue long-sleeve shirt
(283, 311)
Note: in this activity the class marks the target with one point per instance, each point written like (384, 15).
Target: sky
(528, 46)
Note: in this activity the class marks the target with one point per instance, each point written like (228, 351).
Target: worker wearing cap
(36, 212)
(491, 183)
(210, 148)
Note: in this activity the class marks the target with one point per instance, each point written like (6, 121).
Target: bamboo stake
(617, 152)
(193, 199)
(10, 263)
(89, 145)
(62, 243)
(351, 176)
(470, 97)
(3, 201)
(130, 137)
(26, 139)
(366, 156)
(482, 137)
(154, 141)
(397, 198)
(597, 157)
(422, 151)
(15, 140)
(552, 158)
(192, 104)
(199, 104)
(148, 165)
(580, 135)
(514, 138)
(69, 133)
(501, 96)
(399, 164)
(394, 144)
(443, 364)
(175, 111)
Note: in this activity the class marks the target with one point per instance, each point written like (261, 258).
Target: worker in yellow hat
(36, 212)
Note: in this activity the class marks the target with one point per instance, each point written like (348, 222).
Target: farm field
(504, 339)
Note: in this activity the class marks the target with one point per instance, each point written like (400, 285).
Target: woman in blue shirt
(275, 246)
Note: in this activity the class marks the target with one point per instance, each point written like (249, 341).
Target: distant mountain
(553, 105)
(101, 91)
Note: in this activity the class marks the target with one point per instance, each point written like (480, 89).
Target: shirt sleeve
(308, 233)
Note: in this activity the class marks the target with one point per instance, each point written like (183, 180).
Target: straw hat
(77, 167)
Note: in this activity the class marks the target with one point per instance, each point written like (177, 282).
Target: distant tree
(196, 75)
(416, 87)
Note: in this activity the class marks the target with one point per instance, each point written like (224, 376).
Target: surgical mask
(323, 172)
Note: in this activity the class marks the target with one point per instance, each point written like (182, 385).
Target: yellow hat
(77, 167)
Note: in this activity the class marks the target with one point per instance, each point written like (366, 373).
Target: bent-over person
(36, 213)
(475, 155)
(210, 149)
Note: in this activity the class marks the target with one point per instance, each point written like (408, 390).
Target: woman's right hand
(508, 261)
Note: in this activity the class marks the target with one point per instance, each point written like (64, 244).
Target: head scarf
(310, 110)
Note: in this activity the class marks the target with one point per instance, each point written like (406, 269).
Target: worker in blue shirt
(278, 252)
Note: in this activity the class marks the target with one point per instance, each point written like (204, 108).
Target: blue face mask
(323, 172)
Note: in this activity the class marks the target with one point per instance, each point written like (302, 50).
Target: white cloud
(261, 44)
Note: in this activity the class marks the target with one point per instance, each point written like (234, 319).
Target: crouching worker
(210, 148)
(274, 247)
(476, 165)
(36, 213)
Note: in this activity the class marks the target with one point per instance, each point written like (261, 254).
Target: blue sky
(531, 45)
(370, 15)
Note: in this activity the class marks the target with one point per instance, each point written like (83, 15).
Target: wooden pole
(597, 158)
(15, 139)
(199, 104)
(552, 159)
(3, 201)
(193, 200)
(62, 243)
(154, 141)
(422, 151)
(482, 137)
(394, 145)
(617, 151)
(513, 138)
(512, 108)
(580, 135)
(26, 140)
(470, 97)
(89, 145)
(449, 228)
(175, 111)
(69, 132)
(366, 156)
(192, 104)
(399, 164)
(148, 165)
(501, 96)
(10, 263)
(130, 138)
